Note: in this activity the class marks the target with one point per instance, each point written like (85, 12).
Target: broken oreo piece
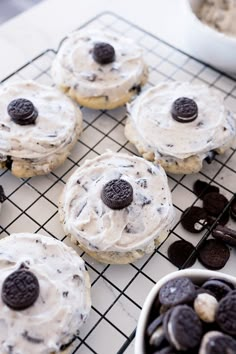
(213, 254)
(179, 251)
(194, 219)
(201, 188)
(103, 53)
(225, 234)
(22, 111)
(117, 194)
(214, 203)
(184, 110)
(2, 195)
(20, 290)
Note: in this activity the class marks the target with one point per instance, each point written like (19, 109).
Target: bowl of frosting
(211, 32)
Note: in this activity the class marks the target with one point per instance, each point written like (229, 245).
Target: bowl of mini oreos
(189, 311)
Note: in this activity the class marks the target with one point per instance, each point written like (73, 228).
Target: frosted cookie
(179, 124)
(100, 70)
(45, 294)
(38, 128)
(117, 207)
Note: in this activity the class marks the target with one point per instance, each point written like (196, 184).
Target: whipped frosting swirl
(100, 228)
(56, 126)
(150, 114)
(75, 67)
(64, 299)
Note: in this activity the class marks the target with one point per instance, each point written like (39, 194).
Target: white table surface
(45, 24)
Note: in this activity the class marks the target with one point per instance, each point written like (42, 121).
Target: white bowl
(205, 43)
(196, 275)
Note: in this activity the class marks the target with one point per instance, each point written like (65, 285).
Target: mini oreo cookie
(225, 234)
(194, 219)
(22, 111)
(217, 287)
(179, 251)
(226, 314)
(177, 291)
(214, 203)
(117, 194)
(201, 188)
(233, 209)
(215, 342)
(20, 290)
(213, 254)
(184, 110)
(103, 53)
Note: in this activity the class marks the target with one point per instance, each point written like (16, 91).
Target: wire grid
(118, 292)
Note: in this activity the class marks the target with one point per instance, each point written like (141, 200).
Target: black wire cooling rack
(118, 292)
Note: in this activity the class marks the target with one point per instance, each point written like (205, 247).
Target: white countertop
(43, 26)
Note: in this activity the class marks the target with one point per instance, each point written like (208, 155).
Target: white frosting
(64, 299)
(55, 127)
(220, 15)
(135, 227)
(161, 133)
(75, 67)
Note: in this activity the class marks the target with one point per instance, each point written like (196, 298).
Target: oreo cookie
(233, 209)
(217, 287)
(22, 111)
(179, 251)
(214, 203)
(20, 289)
(177, 291)
(215, 342)
(194, 219)
(201, 188)
(103, 53)
(226, 314)
(225, 234)
(184, 110)
(213, 254)
(117, 194)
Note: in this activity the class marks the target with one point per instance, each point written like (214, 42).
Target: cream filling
(158, 131)
(100, 228)
(75, 67)
(64, 300)
(55, 127)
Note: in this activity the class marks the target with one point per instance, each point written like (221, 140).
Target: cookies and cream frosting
(99, 228)
(57, 125)
(74, 66)
(64, 298)
(220, 15)
(150, 116)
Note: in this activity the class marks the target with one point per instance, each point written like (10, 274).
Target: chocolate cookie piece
(2, 195)
(226, 314)
(233, 209)
(117, 194)
(184, 328)
(179, 251)
(194, 219)
(213, 254)
(214, 203)
(20, 290)
(217, 287)
(201, 188)
(177, 291)
(215, 342)
(225, 234)
(210, 156)
(103, 53)
(22, 111)
(184, 110)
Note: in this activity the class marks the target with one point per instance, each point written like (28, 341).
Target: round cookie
(180, 147)
(217, 287)
(213, 254)
(215, 342)
(226, 314)
(38, 128)
(194, 219)
(100, 70)
(201, 188)
(177, 291)
(45, 294)
(113, 235)
(214, 203)
(179, 251)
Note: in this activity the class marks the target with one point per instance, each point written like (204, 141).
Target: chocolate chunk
(2, 195)
(117, 194)
(226, 314)
(210, 156)
(225, 234)
(214, 203)
(184, 328)
(8, 162)
(22, 111)
(20, 289)
(194, 219)
(103, 53)
(177, 291)
(213, 254)
(179, 251)
(136, 88)
(233, 209)
(201, 188)
(184, 110)
(217, 287)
